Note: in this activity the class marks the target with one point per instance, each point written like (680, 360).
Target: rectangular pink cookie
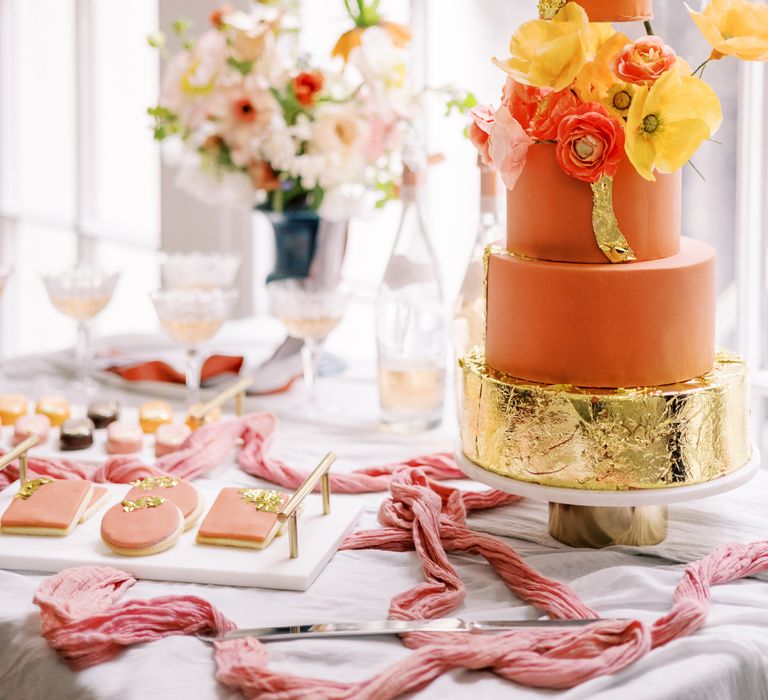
(232, 518)
(53, 505)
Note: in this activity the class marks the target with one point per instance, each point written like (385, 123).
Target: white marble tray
(319, 538)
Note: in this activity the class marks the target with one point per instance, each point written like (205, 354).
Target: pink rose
(644, 60)
(480, 131)
(590, 143)
(509, 145)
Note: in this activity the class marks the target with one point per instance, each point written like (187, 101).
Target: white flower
(251, 33)
(214, 187)
(190, 78)
(341, 136)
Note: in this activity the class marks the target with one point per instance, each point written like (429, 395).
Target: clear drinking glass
(310, 309)
(198, 270)
(81, 293)
(190, 317)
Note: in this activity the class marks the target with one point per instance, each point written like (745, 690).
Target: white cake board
(319, 538)
(618, 499)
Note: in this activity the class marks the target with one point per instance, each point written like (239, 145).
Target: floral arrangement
(601, 97)
(246, 119)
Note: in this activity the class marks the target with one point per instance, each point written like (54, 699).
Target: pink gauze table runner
(84, 619)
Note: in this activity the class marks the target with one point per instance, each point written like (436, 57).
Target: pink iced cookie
(170, 437)
(124, 438)
(141, 526)
(26, 426)
(99, 496)
(242, 518)
(46, 507)
(178, 491)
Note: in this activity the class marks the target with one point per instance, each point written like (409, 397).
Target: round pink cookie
(169, 437)
(124, 438)
(143, 530)
(35, 424)
(183, 494)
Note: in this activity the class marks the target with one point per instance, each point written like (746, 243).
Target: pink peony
(480, 131)
(644, 60)
(590, 143)
(508, 146)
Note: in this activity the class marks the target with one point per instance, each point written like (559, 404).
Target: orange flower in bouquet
(644, 60)
(590, 143)
(735, 28)
(538, 110)
(366, 15)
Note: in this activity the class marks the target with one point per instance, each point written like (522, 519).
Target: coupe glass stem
(309, 365)
(193, 375)
(84, 352)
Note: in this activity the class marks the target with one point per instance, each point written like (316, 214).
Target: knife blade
(371, 629)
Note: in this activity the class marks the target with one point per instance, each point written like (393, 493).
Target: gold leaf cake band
(603, 439)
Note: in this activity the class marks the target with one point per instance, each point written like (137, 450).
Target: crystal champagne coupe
(310, 309)
(81, 293)
(199, 270)
(191, 317)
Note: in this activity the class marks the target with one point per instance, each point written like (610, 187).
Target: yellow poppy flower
(399, 34)
(550, 53)
(597, 82)
(667, 122)
(735, 28)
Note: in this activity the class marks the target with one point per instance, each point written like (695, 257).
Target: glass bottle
(411, 330)
(468, 327)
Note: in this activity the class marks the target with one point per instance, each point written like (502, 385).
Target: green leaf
(243, 67)
(160, 133)
(156, 39)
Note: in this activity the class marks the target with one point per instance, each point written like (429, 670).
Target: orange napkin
(158, 371)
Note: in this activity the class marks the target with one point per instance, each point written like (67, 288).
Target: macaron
(12, 407)
(169, 437)
(55, 406)
(153, 414)
(124, 438)
(29, 425)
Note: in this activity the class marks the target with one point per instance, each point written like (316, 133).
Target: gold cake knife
(370, 629)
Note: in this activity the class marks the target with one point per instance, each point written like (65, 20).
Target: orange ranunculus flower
(262, 176)
(538, 110)
(590, 143)
(549, 53)
(597, 82)
(399, 34)
(668, 121)
(735, 28)
(306, 85)
(644, 60)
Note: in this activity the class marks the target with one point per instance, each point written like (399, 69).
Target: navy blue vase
(295, 242)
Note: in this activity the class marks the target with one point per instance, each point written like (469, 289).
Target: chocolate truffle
(77, 434)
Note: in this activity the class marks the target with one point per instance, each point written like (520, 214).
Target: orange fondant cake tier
(617, 10)
(638, 324)
(549, 213)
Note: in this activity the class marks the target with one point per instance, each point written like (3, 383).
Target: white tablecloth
(727, 659)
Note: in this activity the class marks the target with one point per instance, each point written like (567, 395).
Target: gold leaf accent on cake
(143, 502)
(609, 238)
(549, 8)
(606, 439)
(264, 499)
(155, 482)
(29, 487)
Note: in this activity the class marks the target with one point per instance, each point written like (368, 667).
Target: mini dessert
(124, 438)
(76, 434)
(99, 496)
(12, 407)
(242, 518)
(26, 426)
(153, 414)
(146, 525)
(55, 406)
(178, 491)
(170, 437)
(102, 413)
(45, 506)
(210, 417)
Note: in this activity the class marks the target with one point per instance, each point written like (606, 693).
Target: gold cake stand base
(603, 526)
